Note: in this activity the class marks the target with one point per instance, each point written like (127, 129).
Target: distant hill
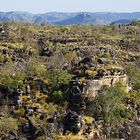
(82, 18)
(122, 21)
(17, 17)
(98, 18)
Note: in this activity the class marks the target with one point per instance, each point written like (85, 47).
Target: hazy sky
(42, 6)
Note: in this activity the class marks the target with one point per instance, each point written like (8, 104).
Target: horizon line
(69, 12)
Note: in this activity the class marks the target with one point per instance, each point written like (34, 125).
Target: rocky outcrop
(98, 77)
(97, 86)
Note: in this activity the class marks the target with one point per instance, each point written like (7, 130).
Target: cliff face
(97, 86)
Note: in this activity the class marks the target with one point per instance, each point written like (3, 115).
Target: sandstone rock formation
(97, 86)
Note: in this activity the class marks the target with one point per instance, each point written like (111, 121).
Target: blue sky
(42, 6)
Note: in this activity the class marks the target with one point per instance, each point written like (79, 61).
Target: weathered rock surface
(97, 86)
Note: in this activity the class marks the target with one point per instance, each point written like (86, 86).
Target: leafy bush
(59, 77)
(135, 97)
(113, 106)
(7, 125)
(105, 55)
(58, 97)
(70, 56)
(134, 74)
(1, 58)
(12, 80)
(36, 68)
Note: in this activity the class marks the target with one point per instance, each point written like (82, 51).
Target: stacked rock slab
(72, 122)
(76, 107)
(76, 97)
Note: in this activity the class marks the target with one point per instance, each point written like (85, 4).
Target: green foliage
(70, 56)
(1, 58)
(114, 110)
(20, 112)
(135, 97)
(7, 124)
(105, 55)
(14, 80)
(51, 107)
(59, 77)
(65, 29)
(36, 68)
(111, 102)
(134, 73)
(136, 22)
(58, 97)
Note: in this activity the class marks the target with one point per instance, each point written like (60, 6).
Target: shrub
(1, 58)
(70, 56)
(20, 112)
(135, 97)
(112, 107)
(58, 97)
(37, 68)
(59, 77)
(12, 80)
(105, 55)
(7, 125)
(134, 74)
